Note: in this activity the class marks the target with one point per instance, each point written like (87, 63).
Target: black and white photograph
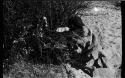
(62, 39)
